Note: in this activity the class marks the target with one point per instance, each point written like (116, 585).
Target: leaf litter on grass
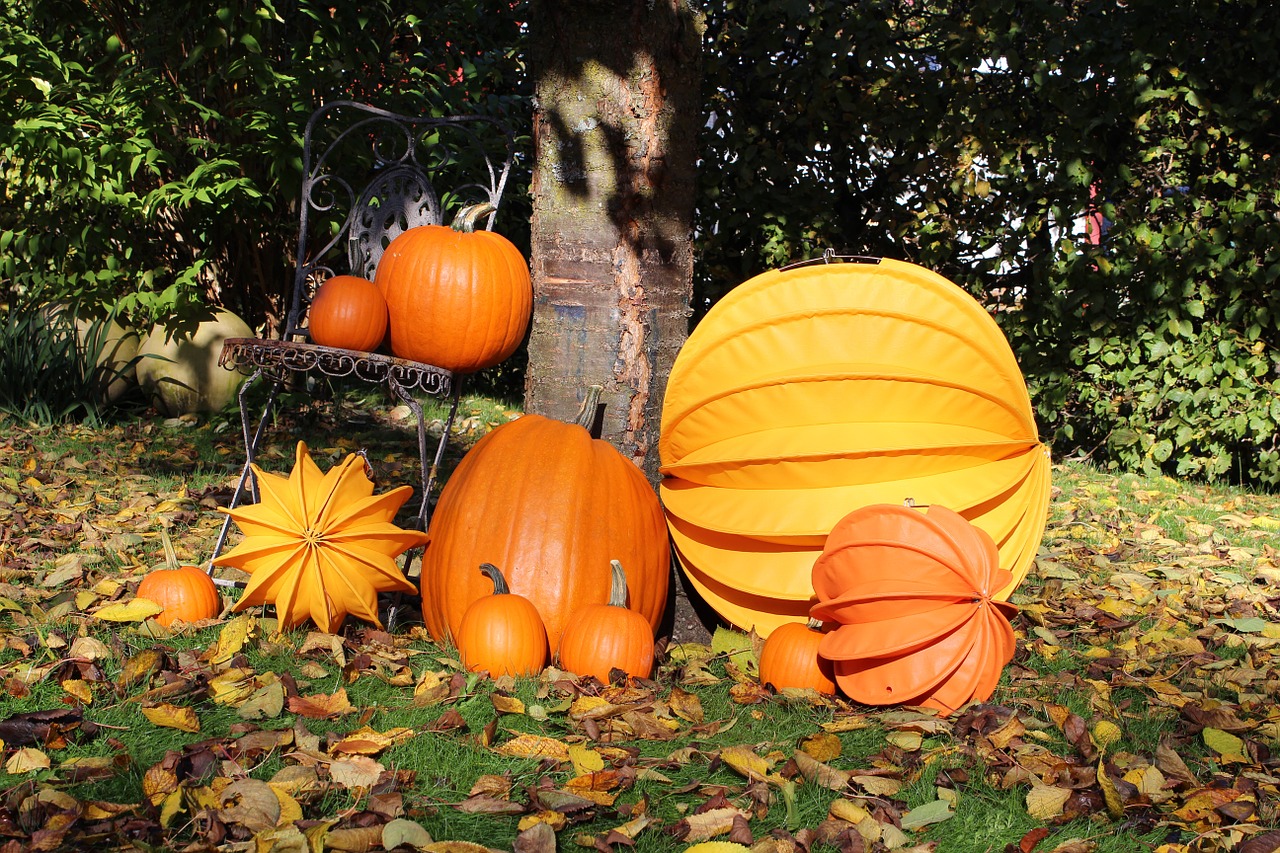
(1140, 704)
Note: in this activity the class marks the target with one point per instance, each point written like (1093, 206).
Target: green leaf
(927, 814)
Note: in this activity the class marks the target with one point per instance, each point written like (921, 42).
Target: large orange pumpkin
(348, 312)
(460, 299)
(553, 507)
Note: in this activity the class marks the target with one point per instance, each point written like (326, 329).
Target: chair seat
(250, 354)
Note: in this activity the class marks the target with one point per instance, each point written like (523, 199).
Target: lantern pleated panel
(809, 392)
(911, 591)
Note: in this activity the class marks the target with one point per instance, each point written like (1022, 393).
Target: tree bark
(616, 120)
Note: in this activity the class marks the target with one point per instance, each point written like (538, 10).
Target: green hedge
(150, 159)
(151, 153)
(973, 138)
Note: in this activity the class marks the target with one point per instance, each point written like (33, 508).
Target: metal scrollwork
(251, 354)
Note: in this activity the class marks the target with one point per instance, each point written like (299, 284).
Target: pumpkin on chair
(459, 298)
(348, 312)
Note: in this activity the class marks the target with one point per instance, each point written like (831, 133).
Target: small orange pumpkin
(604, 637)
(185, 592)
(459, 298)
(502, 633)
(348, 312)
(790, 659)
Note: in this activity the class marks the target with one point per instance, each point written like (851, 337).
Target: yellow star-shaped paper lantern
(321, 545)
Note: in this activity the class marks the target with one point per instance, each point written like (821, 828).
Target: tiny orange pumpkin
(605, 637)
(790, 659)
(502, 633)
(185, 592)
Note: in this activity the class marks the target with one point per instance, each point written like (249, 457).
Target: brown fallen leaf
(322, 706)
(356, 771)
(821, 773)
(707, 825)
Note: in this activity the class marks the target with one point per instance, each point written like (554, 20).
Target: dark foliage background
(149, 154)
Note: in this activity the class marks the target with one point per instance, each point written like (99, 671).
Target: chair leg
(429, 475)
(429, 481)
(246, 481)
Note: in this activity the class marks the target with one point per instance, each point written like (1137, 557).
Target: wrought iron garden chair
(369, 175)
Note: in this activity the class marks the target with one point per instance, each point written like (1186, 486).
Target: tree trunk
(616, 120)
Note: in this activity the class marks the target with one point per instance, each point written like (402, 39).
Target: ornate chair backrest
(369, 175)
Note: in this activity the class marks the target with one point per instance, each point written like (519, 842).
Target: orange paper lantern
(913, 594)
(809, 391)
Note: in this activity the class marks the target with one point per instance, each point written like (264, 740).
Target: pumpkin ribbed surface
(458, 300)
(552, 507)
(502, 633)
(604, 637)
(348, 312)
(186, 593)
(790, 659)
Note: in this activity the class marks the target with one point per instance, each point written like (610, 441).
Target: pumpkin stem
(618, 586)
(170, 555)
(814, 624)
(587, 415)
(466, 219)
(495, 574)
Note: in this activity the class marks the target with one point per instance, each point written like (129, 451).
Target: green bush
(973, 139)
(151, 155)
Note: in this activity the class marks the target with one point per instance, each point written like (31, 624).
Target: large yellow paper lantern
(809, 392)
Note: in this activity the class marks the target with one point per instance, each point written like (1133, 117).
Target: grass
(1175, 566)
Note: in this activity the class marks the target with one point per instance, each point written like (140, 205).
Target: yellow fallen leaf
(848, 810)
(821, 773)
(908, 741)
(585, 760)
(1110, 793)
(822, 746)
(26, 760)
(717, 847)
(135, 610)
(1148, 780)
(232, 686)
(707, 825)
(745, 761)
(1105, 733)
(504, 704)
(534, 746)
(1045, 802)
(172, 806)
(78, 688)
(404, 832)
(231, 638)
(290, 809)
(173, 717)
(881, 786)
(1229, 747)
